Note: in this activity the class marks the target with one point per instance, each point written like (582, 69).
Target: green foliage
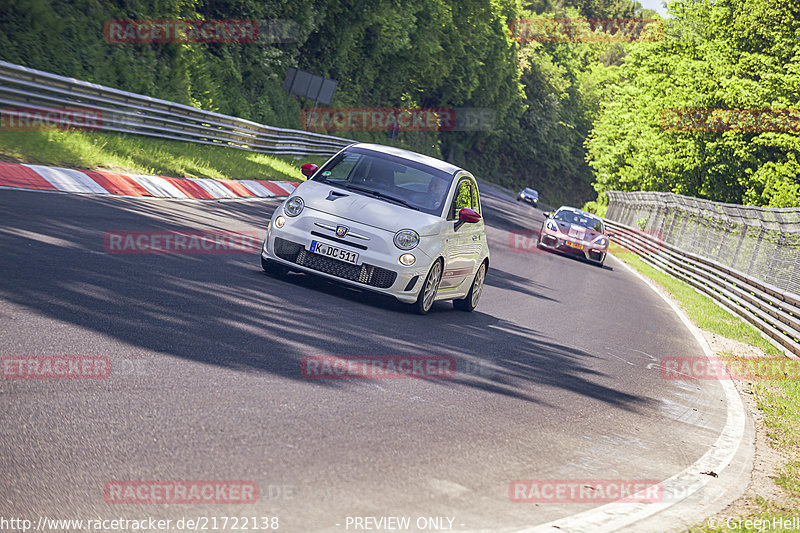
(715, 54)
(384, 53)
(145, 155)
(541, 142)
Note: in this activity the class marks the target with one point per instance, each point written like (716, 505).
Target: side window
(476, 203)
(465, 197)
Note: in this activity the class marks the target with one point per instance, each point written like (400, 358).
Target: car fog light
(279, 222)
(408, 259)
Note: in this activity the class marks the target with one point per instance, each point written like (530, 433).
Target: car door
(464, 241)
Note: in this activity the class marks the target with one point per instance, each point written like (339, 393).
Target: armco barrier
(775, 312)
(763, 243)
(25, 90)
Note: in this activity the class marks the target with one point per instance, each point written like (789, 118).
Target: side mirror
(550, 214)
(468, 215)
(611, 234)
(308, 169)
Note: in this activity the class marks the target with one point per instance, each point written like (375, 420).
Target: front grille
(366, 274)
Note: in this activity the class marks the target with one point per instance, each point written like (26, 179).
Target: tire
(430, 287)
(272, 268)
(471, 301)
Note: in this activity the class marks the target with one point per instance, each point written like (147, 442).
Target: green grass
(778, 400)
(145, 155)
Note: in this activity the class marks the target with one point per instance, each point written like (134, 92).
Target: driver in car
(436, 193)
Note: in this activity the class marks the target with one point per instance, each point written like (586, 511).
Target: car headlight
(294, 206)
(406, 239)
(279, 222)
(601, 241)
(552, 226)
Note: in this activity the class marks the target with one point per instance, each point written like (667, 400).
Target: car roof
(407, 154)
(579, 211)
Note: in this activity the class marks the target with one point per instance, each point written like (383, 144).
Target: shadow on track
(222, 310)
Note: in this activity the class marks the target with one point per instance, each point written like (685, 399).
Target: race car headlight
(406, 239)
(552, 226)
(279, 222)
(601, 241)
(294, 206)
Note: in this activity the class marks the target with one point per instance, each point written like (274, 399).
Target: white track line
(681, 486)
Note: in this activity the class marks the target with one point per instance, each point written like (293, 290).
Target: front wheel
(429, 289)
(471, 301)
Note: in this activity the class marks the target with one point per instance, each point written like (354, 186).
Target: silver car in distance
(387, 220)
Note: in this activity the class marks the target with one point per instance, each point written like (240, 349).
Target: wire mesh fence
(760, 242)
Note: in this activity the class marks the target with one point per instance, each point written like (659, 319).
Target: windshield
(389, 178)
(580, 219)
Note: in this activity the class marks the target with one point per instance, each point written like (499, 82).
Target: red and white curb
(37, 177)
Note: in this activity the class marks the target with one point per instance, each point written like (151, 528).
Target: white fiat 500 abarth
(386, 220)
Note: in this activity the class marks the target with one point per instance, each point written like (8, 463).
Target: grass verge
(778, 402)
(145, 155)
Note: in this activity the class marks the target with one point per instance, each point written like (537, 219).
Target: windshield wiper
(378, 194)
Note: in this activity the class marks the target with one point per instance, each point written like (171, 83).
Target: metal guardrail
(125, 112)
(775, 312)
(762, 243)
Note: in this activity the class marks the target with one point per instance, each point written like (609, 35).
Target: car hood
(579, 232)
(357, 207)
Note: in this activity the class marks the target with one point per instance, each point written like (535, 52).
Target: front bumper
(558, 242)
(378, 268)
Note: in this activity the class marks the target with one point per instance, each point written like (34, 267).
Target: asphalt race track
(557, 377)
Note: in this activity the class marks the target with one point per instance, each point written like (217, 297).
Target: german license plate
(574, 245)
(332, 251)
